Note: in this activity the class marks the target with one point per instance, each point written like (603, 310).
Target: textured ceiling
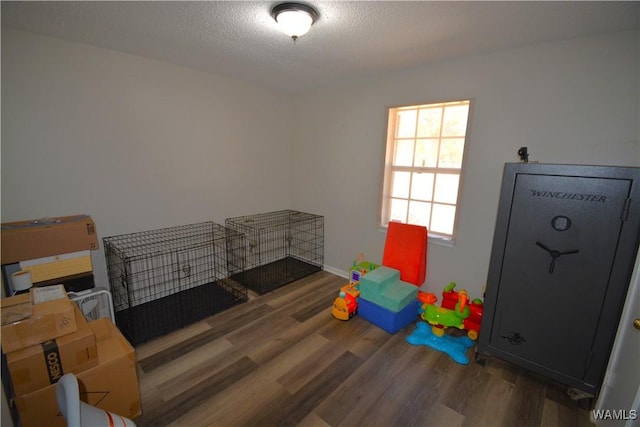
(349, 40)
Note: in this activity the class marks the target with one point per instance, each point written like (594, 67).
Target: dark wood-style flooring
(281, 359)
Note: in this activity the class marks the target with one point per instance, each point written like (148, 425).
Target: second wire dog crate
(281, 247)
(162, 280)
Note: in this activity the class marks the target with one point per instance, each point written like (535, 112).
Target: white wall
(571, 102)
(621, 384)
(5, 412)
(141, 144)
(138, 144)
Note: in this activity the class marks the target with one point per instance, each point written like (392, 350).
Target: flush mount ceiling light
(294, 19)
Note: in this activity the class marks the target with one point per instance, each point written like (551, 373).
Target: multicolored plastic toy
(360, 267)
(455, 347)
(456, 311)
(345, 306)
(471, 323)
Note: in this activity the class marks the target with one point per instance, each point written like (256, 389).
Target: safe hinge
(625, 209)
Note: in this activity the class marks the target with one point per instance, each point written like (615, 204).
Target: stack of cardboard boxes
(53, 250)
(44, 335)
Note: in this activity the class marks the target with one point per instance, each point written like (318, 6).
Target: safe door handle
(555, 254)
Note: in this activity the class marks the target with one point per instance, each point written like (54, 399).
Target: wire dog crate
(162, 280)
(281, 247)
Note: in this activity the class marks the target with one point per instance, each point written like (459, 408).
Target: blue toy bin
(386, 319)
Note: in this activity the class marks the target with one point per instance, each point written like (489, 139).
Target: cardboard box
(41, 315)
(58, 266)
(112, 385)
(35, 367)
(32, 239)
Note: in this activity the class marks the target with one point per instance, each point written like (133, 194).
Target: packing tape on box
(21, 280)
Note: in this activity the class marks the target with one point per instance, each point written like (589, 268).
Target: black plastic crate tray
(269, 277)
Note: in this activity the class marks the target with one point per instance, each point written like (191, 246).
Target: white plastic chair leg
(80, 414)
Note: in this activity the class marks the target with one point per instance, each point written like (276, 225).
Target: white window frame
(389, 168)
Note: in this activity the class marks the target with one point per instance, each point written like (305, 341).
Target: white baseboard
(336, 271)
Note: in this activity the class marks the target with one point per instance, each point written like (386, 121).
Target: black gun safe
(564, 248)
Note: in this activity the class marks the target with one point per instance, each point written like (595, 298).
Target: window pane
(446, 188)
(442, 220)
(426, 153)
(403, 155)
(455, 121)
(423, 164)
(400, 186)
(451, 153)
(429, 122)
(422, 186)
(419, 213)
(398, 210)
(406, 124)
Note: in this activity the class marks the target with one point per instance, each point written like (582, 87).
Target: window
(425, 147)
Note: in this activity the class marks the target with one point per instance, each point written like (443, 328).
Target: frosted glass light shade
(294, 19)
(294, 23)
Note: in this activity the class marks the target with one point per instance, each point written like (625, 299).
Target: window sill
(441, 241)
(435, 239)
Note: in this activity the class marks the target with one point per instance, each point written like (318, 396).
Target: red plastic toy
(405, 249)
